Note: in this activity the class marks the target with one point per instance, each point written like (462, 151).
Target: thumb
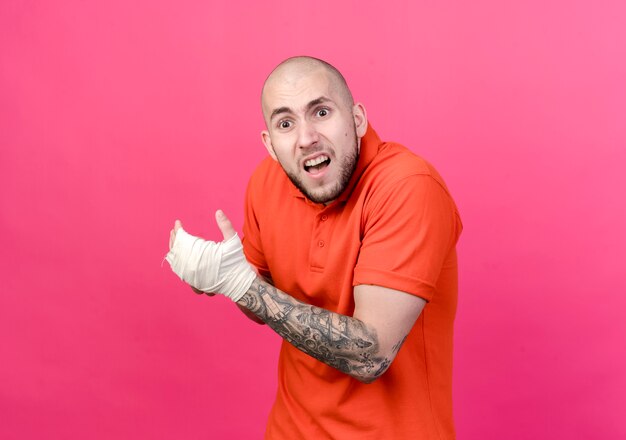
(224, 224)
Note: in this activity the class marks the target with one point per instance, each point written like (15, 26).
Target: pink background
(118, 117)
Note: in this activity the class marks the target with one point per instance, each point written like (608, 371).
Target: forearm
(348, 344)
(251, 316)
(340, 341)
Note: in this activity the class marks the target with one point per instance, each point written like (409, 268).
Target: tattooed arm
(362, 346)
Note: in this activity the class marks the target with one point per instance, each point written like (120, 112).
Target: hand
(227, 231)
(178, 225)
(207, 265)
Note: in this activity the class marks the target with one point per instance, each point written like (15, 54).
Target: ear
(267, 141)
(360, 119)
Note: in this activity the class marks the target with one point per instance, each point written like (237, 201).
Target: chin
(323, 196)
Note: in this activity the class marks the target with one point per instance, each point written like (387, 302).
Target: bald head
(294, 69)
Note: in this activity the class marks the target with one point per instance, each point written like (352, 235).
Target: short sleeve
(252, 246)
(409, 231)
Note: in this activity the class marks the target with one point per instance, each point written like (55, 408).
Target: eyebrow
(311, 104)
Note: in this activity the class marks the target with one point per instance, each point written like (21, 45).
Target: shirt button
(324, 217)
(320, 243)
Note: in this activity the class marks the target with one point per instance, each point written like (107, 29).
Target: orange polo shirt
(394, 226)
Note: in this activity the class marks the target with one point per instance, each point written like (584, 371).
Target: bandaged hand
(209, 266)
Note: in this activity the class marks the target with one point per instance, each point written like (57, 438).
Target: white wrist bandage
(211, 267)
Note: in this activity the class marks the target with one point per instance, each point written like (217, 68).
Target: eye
(322, 112)
(284, 124)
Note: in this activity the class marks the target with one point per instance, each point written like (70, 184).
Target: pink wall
(117, 117)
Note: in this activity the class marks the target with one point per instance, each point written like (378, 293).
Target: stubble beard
(346, 169)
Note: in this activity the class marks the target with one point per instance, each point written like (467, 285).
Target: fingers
(177, 225)
(227, 231)
(200, 292)
(224, 224)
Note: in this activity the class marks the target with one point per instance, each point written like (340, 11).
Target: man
(352, 241)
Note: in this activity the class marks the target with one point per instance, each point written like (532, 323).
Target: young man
(349, 247)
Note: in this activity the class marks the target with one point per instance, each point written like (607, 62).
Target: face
(313, 133)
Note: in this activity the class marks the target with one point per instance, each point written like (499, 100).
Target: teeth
(316, 161)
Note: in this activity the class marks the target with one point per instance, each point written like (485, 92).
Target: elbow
(374, 373)
(366, 380)
(369, 378)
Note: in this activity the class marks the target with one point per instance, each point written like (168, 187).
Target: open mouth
(315, 166)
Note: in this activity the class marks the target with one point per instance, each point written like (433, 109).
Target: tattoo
(342, 342)
(396, 348)
(383, 366)
(278, 310)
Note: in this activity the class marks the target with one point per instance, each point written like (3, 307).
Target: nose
(307, 135)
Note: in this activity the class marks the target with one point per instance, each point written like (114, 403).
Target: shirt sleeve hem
(392, 280)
